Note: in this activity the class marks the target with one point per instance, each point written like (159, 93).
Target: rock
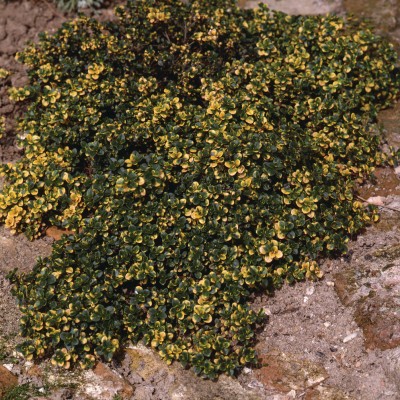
(390, 252)
(372, 287)
(8, 366)
(144, 393)
(376, 201)
(323, 392)
(310, 291)
(247, 370)
(40, 398)
(267, 311)
(102, 383)
(379, 318)
(300, 7)
(345, 285)
(156, 380)
(389, 220)
(7, 380)
(350, 337)
(391, 366)
(285, 372)
(35, 375)
(390, 119)
(144, 362)
(383, 13)
(61, 394)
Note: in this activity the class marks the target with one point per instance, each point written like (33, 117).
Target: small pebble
(312, 382)
(376, 200)
(350, 337)
(291, 394)
(305, 299)
(267, 311)
(310, 291)
(327, 324)
(255, 385)
(330, 283)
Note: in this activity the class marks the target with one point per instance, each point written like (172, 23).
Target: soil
(338, 338)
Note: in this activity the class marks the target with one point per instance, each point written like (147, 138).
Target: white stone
(313, 382)
(350, 337)
(305, 299)
(140, 347)
(8, 366)
(376, 201)
(267, 311)
(92, 388)
(51, 378)
(310, 290)
(180, 393)
(327, 324)
(247, 370)
(255, 385)
(330, 283)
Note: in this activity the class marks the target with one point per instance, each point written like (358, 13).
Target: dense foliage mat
(3, 76)
(201, 153)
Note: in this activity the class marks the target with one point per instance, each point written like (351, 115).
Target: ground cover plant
(3, 76)
(201, 153)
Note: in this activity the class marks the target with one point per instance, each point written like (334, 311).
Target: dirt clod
(7, 380)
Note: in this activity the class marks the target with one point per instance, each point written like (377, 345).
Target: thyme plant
(201, 153)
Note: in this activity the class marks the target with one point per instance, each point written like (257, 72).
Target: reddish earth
(7, 380)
